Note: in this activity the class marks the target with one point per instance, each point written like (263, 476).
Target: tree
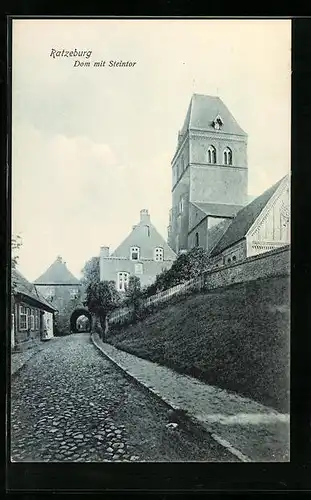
(90, 272)
(16, 243)
(102, 298)
(133, 294)
(187, 266)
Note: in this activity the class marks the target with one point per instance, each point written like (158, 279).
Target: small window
(28, 319)
(74, 292)
(234, 258)
(217, 123)
(158, 254)
(175, 175)
(134, 253)
(197, 239)
(182, 163)
(211, 155)
(139, 268)
(31, 324)
(122, 281)
(181, 205)
(22, 318)
(37, 319)
(229, 260)
(227, 156)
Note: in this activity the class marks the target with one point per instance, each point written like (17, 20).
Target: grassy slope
(235, 338)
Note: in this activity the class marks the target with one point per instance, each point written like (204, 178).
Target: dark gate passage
(80, 321)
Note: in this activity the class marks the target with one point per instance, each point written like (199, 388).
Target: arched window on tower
(197, 239)
(211, 155)
(182, 163)
(227, 156)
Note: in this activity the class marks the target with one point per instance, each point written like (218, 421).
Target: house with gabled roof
(209, 172)
(58, 285)
(32, 315)
(58, 278)
(260, 226)
(143, 253)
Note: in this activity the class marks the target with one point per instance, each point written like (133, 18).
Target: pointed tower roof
(205, 110)
(57, 274)
(27, 289)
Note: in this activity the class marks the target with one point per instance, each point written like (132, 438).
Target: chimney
(104, 251)
(144, 216)
(59, 259)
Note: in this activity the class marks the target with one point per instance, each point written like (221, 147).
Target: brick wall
(273, 263)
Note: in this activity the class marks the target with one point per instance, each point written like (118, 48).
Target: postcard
(150, 305)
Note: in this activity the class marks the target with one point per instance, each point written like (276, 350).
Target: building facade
(209, 173)
(60, 287)
(262, 225)
(143, 253)
(32, 316)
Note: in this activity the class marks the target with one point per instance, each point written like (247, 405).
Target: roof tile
(24, 287)
(57, 274)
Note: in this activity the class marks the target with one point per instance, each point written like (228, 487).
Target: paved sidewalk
(19, 359)
(251, 431)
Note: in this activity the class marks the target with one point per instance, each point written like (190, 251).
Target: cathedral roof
(204, 110)
(24, 287)
(217, 209)
(215, 233)
(57, 274)
(244, 219)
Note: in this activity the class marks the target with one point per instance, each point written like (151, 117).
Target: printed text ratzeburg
(71, 53)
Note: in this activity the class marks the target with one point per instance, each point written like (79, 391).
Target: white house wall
(48, 325)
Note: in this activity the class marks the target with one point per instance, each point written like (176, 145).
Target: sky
(92, 146)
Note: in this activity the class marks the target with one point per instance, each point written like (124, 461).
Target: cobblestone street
(69, 403)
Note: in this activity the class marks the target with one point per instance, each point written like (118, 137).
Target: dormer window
(218, 123)
(134, 253)
(227, 156)
(211, 155)
(158, 254)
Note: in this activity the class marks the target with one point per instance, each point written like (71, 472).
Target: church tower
(209, 172)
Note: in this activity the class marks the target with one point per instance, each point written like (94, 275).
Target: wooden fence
(270, 263)
(123, 314)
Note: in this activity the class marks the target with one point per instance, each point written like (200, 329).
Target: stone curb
(33, 350)
(18, 369)
(189, 422)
